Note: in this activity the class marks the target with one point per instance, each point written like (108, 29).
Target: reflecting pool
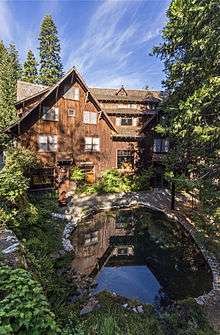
(140, 254)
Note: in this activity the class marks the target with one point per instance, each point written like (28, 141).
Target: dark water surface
(139, 254)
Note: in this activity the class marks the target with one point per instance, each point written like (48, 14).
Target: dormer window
(50, 114)
(122, 91)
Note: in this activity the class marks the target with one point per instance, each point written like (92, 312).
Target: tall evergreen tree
(29, 72)
(15, 61)
(190, 51)
(9, 73)
(50, 61)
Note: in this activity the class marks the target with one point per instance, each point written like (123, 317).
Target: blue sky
(109, 41)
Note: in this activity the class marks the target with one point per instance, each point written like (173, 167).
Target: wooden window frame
(48, 143)
(126, 118)
(90, 147)
(88, 117)
(72, 110)
(48, 112)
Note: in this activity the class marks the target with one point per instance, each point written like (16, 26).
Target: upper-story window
(161, 145)
(71, 93)
(50, 114)
(47, 143)
(126, 121)
(92, 144)
(89, 117)
(71, 112)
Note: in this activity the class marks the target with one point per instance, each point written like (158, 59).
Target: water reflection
(140, 254)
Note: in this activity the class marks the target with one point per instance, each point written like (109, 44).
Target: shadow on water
(139, 254)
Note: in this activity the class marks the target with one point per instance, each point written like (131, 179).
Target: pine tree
(190, 51)
(15, 61)
(50, 61)
(29, 72)
(9, 73)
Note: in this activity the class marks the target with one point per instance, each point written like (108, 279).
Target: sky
(109, 41)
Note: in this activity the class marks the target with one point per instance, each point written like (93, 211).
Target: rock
(140, 309)
(92, 305)
(125, 305)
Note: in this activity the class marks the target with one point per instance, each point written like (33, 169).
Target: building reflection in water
(140, 255)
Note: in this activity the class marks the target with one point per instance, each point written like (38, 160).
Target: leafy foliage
(29, 72)
(77, 174)
(24, 309)
(14, 183)
(190, 51)
(113, 181)
(50, 61)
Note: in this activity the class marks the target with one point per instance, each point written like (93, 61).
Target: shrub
(77, 175)
(24, 309)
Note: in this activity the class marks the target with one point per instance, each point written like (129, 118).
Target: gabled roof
(27, 90)
(33, 115)
(132, 95)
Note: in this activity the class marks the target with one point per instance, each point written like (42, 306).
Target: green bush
(77, 174)
(112, 181)
(24, 309)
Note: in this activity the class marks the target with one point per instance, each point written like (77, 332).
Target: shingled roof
(134, 95)
(27, 90)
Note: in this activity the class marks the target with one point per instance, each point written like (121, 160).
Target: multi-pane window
(126, 121)
(91, 238)
(50, 114)
(71, 93)
(47, 143)
(89, 117)
(161, 145)
(71, 112)
(92, 144)
(125, 159)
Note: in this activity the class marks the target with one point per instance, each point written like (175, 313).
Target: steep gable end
(62, 87)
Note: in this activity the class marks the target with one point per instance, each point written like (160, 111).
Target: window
(92, 144)
(47, 142)
(91, 238)
(161, 145)
(89, 117)
(71, 93)
(125, 159)
(126, 121)
(71, 112)
(50, 114)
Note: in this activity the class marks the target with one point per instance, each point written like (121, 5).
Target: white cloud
(6, 21)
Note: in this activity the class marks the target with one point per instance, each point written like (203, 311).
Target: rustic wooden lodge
(96, 129)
